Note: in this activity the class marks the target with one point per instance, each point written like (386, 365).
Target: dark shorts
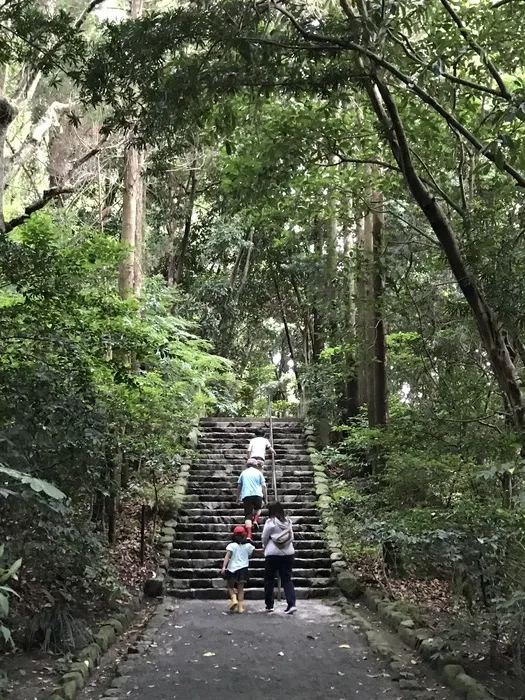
(239, 576)
(251, 505)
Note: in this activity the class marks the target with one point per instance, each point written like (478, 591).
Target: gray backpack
(283, 538)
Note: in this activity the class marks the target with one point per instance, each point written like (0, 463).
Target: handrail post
(274, 475)
(274, 481)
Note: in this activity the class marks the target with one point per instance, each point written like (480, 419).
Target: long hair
(276, 510)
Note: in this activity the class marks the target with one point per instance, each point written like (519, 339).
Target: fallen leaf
(281, 653)
(344, 646)
(209, 653)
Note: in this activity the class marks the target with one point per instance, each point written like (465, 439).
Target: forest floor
(432, 603)
(27, 673)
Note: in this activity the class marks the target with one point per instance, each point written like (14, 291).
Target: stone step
(214, 551)
(256, 573)
(250, 424)
(211, 500)
(229, 493)
(231, 518)
(222, 527)
(200, 540)
(177, 561)
(238, 511)
(306, 477)
(255, 582)
(249, 593)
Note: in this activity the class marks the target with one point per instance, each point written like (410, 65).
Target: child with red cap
(235, 567)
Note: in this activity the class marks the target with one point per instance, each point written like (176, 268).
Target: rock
(321, 490)
(105, 637)
(450, 671)
(462, 683)
(395, 670)
(408, 636)
(406, 684)
(154, 587)
(372, 598)
(80, 667)
(68, 690)
(91, 653)
(116, 624)
(75, 677)
(171, 523)
(379, 645)
(349, 585)
(408, 623)
(119, 682)
(168, 531)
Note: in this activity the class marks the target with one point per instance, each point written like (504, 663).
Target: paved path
(201, 652)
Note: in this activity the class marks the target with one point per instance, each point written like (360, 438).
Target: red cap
(239, 530)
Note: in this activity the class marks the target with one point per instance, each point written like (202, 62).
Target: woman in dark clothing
(277, 540)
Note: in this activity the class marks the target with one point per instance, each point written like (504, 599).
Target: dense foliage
(322, 199)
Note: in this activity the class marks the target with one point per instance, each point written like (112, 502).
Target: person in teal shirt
(251, 493)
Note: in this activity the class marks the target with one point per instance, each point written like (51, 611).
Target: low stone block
(81, 667)
(168, 531)
(105, 637)
(349, 585)
(379, 645)
(171, 523)
(321, 490)
(408, 636)
(429, 649)
(372, 598)
(116, 624)
(395, 618)
(462, 683)
(91, 653)
(154, 587)
(74, 676)
(68, 690)
(336, 555)
(450, 671)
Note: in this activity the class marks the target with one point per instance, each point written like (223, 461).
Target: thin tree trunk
(7, 114)
(181, 256)
(380, 378)
(139, 227)
(129, 222)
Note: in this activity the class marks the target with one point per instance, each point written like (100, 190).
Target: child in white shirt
(235, 567)
(258, 446)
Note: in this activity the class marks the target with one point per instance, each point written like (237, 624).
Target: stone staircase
(211, 510)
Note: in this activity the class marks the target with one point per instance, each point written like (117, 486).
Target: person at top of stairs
(235, 567)
(258, 445)
(251, 492)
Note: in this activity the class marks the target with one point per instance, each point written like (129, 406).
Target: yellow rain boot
(233, 600)
(240, 607)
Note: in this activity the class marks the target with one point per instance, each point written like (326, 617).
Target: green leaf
(4, 605)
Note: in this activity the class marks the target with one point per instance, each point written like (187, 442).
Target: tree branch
(478, 49)
(47, 197)
(410, 84)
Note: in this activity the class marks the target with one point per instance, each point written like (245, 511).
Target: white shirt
(257, 447)
(240, 555)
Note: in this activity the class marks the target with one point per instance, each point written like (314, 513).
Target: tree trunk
(7, 114)
(129, 222)
(139, 227)
(380, 411)
(489, 329)
(181, 255)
